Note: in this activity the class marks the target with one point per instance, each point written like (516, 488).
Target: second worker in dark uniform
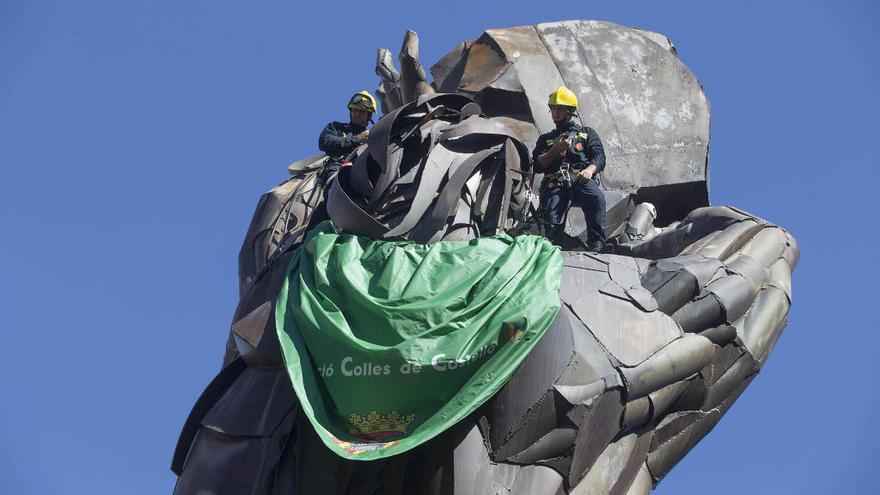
(338, 140)
(570, 157)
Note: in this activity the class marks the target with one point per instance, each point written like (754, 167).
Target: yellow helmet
(362, 100)
(563, 97)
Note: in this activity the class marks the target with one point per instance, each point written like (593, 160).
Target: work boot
(596, 246)
(552, 232)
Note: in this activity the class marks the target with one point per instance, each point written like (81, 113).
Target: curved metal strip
(434, 169)
(485, 182)
(360, 179)
(450, 193)
(511, 162)
(451, 100)
(735, 293)
(477, 125)
(678, 360)
(347, 215)
(390, 170)
(700, 314)
(307, 164)
(767, 246)
(380, 135)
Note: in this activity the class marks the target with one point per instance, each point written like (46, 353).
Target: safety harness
(563, 175)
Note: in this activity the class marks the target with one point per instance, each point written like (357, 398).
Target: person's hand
(587, 173)
(560, 147)
(362, 137)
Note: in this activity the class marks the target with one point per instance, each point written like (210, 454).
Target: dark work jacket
(586, 148)
(337, 140)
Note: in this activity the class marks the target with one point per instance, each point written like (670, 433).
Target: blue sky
(137, 136)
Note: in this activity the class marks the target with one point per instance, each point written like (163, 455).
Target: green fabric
(390, 343)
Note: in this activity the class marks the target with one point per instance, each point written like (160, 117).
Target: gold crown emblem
(378, 427)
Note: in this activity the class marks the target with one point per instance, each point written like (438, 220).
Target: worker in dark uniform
(339, 140)
(570, 157)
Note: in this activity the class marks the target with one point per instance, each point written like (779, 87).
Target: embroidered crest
(375, 426)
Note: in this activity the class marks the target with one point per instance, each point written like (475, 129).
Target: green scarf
(388, 344)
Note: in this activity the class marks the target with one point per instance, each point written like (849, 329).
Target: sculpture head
(433, 169)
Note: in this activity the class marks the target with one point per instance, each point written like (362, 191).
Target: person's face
(359, 117)
(558, 113)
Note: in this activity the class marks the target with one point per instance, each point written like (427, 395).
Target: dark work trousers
(558, 199)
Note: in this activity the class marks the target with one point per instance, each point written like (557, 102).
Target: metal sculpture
(652, 344)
